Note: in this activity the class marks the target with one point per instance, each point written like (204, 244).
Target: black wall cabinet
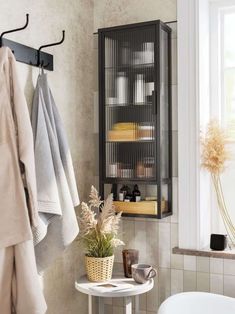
(135, 114)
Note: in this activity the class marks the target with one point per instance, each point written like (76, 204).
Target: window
(206, 89)
(223, 64)
(222, 92)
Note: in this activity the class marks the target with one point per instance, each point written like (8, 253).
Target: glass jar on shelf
(148, 167)
(146, 131)
(126, 171)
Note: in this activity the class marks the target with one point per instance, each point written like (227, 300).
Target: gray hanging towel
(56, 185)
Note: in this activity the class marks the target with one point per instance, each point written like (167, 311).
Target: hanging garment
(16, 146)
(20, 290)
(56, 185)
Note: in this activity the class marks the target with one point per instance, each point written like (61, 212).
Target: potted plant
(99, 235)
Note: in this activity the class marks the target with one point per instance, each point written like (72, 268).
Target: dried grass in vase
(214, 157)
(99, 235)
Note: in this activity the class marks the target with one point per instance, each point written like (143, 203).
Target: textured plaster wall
(72, 86)
(155, 239)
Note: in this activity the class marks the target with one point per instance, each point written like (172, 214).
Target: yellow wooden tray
(143, 207)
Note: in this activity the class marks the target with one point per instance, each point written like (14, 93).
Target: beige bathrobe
(19, 284)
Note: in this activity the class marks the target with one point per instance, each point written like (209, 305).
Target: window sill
(226, 254)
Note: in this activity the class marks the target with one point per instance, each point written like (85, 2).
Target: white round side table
(134, 290)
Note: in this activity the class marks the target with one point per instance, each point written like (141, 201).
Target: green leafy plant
(99, 235)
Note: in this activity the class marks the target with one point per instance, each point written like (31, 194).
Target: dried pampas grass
(99, 235)
(214, 157)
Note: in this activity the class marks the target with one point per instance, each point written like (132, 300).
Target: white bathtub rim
(198, 300)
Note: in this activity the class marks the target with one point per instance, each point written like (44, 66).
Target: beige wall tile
(229, 267)
(216, 283)
(164, 284)
(177, 261)
(203, 264)
(216, 265)
(108, 309)
(176, 281)
(190, 263)
(128, 229)
(164, 245)
(174, 235)
(119, 302)
(152, 242)
(190, 280)
(203, 282)
(140, 240)
(152, 296)
(229, 286)
(118, 310)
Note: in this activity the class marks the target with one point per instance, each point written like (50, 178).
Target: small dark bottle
(114, 192)
(122, 193)
(136, 194)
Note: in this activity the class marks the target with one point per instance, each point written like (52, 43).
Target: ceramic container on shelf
(130, 257)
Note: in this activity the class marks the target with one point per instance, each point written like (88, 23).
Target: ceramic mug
(142, 272)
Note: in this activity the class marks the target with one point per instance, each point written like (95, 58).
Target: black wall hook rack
(29, 55)
(40, 61)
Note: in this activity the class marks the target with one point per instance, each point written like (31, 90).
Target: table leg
(137, 304)
(89, 304)
(128, 304)
(101, 305)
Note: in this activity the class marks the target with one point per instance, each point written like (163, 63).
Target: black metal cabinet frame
(162, 138)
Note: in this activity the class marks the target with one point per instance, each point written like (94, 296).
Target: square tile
(164, 284)
(176, 281)
(164, 236)
(174, 235)
(229, 286)
(152, 296)
(203, 282)
(108, 309)
(177, 261)
(203, 264)
(229, 267)
(141, 240)
(190, 280)
(152, 246)
(216, 265)
(165, 258)
(216, 283)
(190, 262)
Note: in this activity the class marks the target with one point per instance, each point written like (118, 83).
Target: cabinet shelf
(135, 112)
(135, 106)
(131, 67)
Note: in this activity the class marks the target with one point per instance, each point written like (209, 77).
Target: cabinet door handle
(154, 103)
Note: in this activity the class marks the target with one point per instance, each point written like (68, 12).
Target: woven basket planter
(99, 268)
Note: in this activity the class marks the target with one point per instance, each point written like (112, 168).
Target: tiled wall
(155, 240)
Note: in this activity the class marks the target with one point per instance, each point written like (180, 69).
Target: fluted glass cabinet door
(134, 106)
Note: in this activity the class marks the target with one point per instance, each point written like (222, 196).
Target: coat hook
(15, 29)
(50, 45)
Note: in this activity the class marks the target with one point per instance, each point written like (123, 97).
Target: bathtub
(197, 303)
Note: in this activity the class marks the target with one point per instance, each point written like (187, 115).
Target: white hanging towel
(56, 185)
(20, 290)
